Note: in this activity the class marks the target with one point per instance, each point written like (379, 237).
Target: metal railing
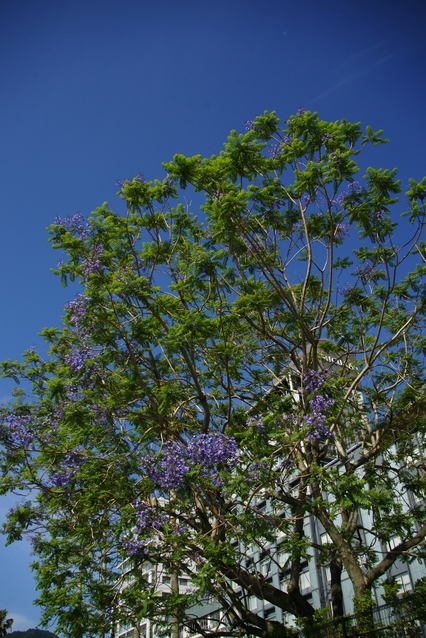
(403, 618)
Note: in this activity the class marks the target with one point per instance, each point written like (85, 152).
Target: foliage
(5, 623)
(270, 349)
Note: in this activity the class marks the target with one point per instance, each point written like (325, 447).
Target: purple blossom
(78, 307)
(147, 517)
(258, 471)
(211, 449)
(314, 380)
(342, 230)
(365, 272)
(77, 360)
(256, 422)
(93, 264)
(249, 125)
(346, 290)
(301, 111)
(335, 157)
(120, 183)
(135, 548)
(168, 469)
(379, 214)
(354, 186)
(20, 428)
(71, 462)
(75, 224)
(77, 310)
(275, 149)
(326, 137)
(62, 478)
(318, 406)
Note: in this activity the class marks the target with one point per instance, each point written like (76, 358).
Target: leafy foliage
(269, 349)
(5, 623)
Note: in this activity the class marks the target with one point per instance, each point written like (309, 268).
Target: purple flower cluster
(256, 423)
(77, 360)
(353, 187)
(68, 473)
(168, 469)
(318, 405)
(75, 224)
(77, 310)
(326, 137)
(20, 429)
(121, 182)
(249, 125)
(258, 471)
(379, 214)
(93, 264)
(147, 517)
(135, 547)
(275, 149)
(63, 478)
(342, 230)
(314, 380)
(365, 272)
(346, 290)
(211, 449)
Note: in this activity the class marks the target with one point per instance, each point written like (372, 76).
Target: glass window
(265, 567)
(393, 542)
(404, 582)
(252, 603)
(325, 538)
(305, 581)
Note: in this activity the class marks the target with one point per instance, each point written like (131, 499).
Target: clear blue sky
(96, 90)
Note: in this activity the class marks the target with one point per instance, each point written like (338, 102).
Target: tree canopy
(263, 342)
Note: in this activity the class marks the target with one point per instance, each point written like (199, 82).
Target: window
(265, 567)
(404, 582)
(166, 580)
(325, 538)
(393, 542)
(305, 581)
(204, 623)
(184, 582)
(252, 603)
(271, 614)
(282, 559)
(214, 620)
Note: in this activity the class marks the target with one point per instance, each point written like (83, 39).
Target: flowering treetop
(195, 375)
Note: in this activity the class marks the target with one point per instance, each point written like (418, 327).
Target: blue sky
(96, 91)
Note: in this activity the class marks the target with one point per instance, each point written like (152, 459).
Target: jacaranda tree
(267, 347)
